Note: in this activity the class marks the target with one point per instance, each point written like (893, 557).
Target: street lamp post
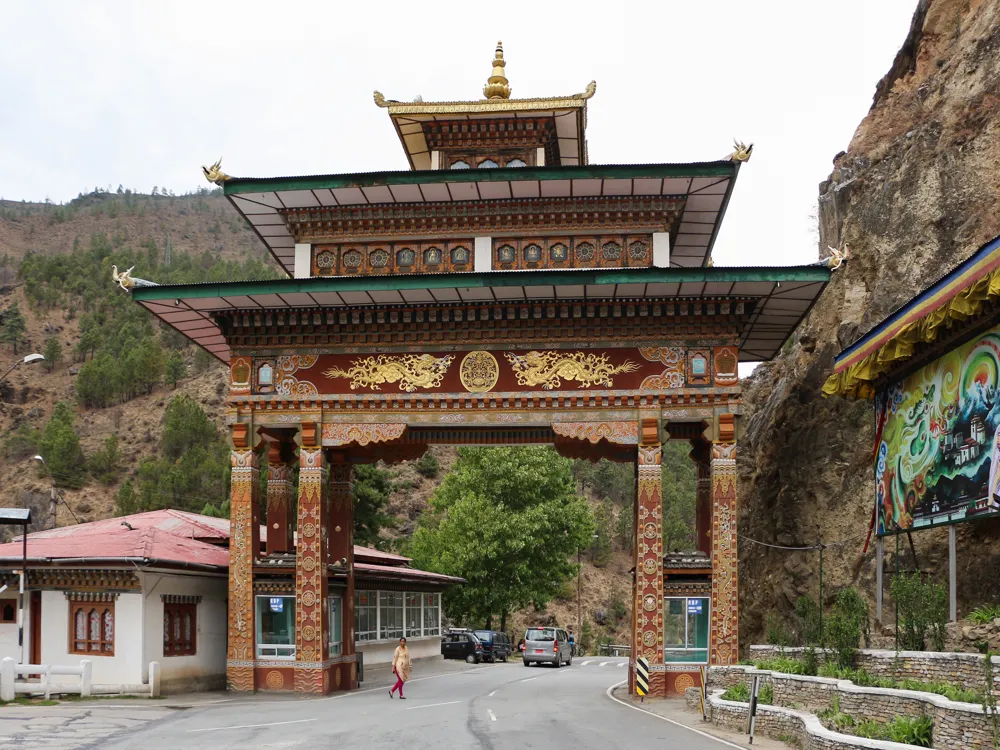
(53, 493)
(26, 361)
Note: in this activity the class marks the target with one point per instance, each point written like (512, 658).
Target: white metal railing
(11, 686)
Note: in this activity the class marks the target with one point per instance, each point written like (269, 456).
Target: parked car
(496, 645)
(462, 644)
(546, 646)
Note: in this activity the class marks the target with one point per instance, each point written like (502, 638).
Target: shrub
(810, 661)
(923, 611)
(810, 630)
(984, 614)
(740, 692)
(781, 664)
(777, 633)
(847, 625)
(428, 466)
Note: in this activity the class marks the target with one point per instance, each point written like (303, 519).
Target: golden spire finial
(496, 87)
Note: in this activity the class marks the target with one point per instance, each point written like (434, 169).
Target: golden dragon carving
(549, 369)
(411, 371)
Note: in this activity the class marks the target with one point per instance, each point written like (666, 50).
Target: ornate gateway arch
(505, 291)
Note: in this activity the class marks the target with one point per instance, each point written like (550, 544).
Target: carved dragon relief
(411, 371)
(549, 369)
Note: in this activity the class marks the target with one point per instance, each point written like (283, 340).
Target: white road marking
(432, 705)
(529, 679)
(492, 694)
(493, 716)
(253, 726)
(664, 718)
(605, 663)
(585, 663)
(621, 664)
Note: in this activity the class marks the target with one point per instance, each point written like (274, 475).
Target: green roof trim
(239, 185)
(482, 280)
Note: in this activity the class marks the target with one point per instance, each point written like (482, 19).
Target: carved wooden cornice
(78, 580)
(484, 217)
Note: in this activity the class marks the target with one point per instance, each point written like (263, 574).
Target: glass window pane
(390, 614)
(336, 625)
(276, 622)
(673, 623)
(414, 618)
(698, 623)
(432, 604)
(488, 164)
(516, 163)
(460, 165)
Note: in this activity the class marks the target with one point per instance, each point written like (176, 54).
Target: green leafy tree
(127, 501)
(372, 488)
(679, 496)
(202, 360)
(13, 328)
(176, 369)
(428, 466)
(604, 518)
(52, 353)
(507, 520)
(60, 447)
(106, 463)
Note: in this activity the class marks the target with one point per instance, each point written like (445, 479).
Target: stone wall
(785, 724)
(957, 726)
(964, 670)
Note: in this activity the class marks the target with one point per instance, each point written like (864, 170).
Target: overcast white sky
(141, 93)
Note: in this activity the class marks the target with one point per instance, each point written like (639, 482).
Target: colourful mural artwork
(938, 457)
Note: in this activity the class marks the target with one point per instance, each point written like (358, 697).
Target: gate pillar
(280, 499)
(311, 611)
(724, 637)
(647, 600)
(340, 529)
(244, 544)
(701, 454)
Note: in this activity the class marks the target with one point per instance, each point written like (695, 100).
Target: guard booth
(504, 291)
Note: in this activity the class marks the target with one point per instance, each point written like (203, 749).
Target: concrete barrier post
(7, 680)
(85, 677)
(154, 679)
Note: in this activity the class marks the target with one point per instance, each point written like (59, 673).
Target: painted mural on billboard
(938, 457)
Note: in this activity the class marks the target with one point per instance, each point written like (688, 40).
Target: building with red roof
(126, 591)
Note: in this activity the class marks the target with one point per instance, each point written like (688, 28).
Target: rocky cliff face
(915, 193)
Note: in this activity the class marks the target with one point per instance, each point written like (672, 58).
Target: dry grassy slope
(915, 193)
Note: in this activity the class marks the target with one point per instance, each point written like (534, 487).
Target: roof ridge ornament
(497, 87)
(742, 152)
(588, 92)
(215, 174)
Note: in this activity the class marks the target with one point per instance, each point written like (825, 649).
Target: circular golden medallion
(649, 603)
(308, 598)
(274, 680)
(479, 371)
(308, 530)
(649, 530)
(682, 682)
(308, 633)
(649, 638)
(649, 566)
(308, 564)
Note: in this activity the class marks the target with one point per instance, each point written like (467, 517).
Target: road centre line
(727, 743)
(492, 694)
(493, 716)
(605, 663)
(529, 679)
(585, 663)
(431, 705)
(254, 726)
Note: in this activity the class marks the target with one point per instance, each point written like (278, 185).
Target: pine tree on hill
(14, 327)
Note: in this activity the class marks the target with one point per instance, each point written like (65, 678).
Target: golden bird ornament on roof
(836, 257)
(214, 173)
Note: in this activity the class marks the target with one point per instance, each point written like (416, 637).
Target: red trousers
(398, 686)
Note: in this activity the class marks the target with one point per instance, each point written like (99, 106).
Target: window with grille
(92, 625)
(180, 628)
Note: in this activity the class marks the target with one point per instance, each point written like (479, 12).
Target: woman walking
(400, 668)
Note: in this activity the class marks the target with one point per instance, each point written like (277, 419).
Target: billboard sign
(938, 447)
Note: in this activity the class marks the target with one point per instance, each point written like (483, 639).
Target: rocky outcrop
(915, 193)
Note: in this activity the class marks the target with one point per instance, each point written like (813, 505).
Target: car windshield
(483, 635)
(538, 634)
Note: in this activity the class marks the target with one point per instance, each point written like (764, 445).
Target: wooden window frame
(104, 648)
(172, 647)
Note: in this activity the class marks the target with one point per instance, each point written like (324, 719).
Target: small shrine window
(487, 164)
(532, 253)
(558, 252)
(637, 250)
(265, 377)
(685, 630)
(378, 258)
(505, 254)
(585, 251)
(432, 256)
(459, 255)
(517, 163)
(699, 365)
(180, 628)
(405, 257)
(612, 251)
(8, 611)
(93, 628)
(460, 164)
(276, 627)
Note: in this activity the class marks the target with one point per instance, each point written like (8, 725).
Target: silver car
(548, 646)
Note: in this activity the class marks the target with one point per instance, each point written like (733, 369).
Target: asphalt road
(489, 706)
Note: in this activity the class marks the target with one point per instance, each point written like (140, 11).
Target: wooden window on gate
(180, 627)
(92, 628)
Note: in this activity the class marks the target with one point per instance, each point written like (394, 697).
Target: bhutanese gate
(504, 291)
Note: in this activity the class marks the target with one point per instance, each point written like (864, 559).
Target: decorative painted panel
(310, 572)
(725, 362)
(244, 543)
(938, 438)
(605, 251)
(379, 258)
(647, 634)
(724, 642)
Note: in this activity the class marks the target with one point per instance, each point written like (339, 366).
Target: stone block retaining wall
(784, 724)
(965, 670)
(957, 726)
